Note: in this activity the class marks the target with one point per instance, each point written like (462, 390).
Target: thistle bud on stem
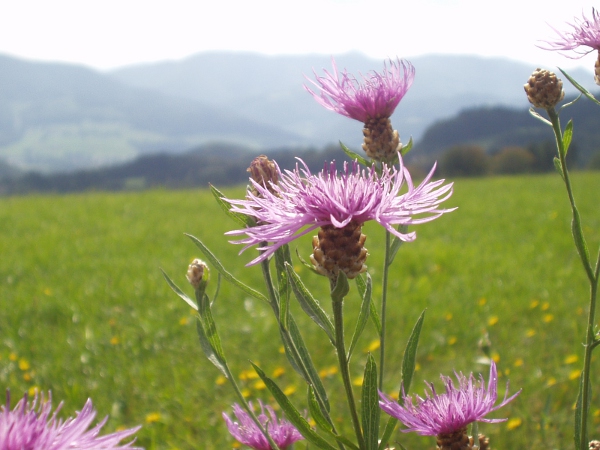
(197, 272)
(544, 89)
(263, 171)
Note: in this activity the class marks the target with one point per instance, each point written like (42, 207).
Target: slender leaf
(568, 136)
(306, 361)
(322, 423)
(390, 426)
(219, 267)
(407, 148)
(241, 219)
(179, 292)
(363, 316)
(282, 256)
(370, 405)
(535, 114)
(309, 304)
(355, 156)
(307, 265)
(375, 318)
(208, 349)
(362, 287)
(292, 414)
(558, 167)
(580, 88)
(580, 243)
(410, 354)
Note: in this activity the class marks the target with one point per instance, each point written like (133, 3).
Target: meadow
(85, 311)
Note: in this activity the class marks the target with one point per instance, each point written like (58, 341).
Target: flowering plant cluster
(282, 205)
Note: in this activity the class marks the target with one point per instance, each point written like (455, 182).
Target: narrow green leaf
(407, 148)
(580, 243)
(475, 433)
(210, 328)
(370, 405)
(390, 426)
(363, 316)
(568, 136)
(355, 156)
(375, 318)
(362, 287)
(306, 264)
(306, 361)
(292, 414)
(322, 423)
(341, 288)
(558, 167)
(410, 355)
(179, 292)
(282, 256)
(219, 267)
(580, 88)
(309, 304)
(208, 349)
(535, 114)
(241, 219)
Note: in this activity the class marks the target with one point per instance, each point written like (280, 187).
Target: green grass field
(85, 311)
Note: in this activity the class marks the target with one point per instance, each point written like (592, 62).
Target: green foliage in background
(85, 311)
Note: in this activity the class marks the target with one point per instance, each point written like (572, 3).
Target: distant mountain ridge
(57, 117)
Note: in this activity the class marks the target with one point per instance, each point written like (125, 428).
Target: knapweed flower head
(375, 95)
(585, 33)
(451, 411)
(248, 433)
(302, 202)
(582, 39)
(31, 426)
(371, 100)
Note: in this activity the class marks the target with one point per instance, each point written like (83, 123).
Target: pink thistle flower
(448, 412)
(302, 199)
(376, 95)
(247, 432)
(29, 426)
(585, 33)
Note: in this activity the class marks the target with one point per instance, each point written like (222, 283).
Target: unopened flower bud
(197, 271)
(544, 89)
(263, 171)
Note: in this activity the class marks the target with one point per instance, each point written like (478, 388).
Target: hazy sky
(110, 33)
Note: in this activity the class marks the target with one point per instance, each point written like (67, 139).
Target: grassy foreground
(85, 312)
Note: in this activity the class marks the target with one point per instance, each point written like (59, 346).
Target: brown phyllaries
(336, 249)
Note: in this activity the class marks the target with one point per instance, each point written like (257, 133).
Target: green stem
(273, 301)
(386, 267)
(338, 319)
(591, 274)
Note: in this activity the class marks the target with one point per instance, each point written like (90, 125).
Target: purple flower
(302, 199)
(247, 432)
(585, 33)
(448, 412)
(31, 427)
(376, 95)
